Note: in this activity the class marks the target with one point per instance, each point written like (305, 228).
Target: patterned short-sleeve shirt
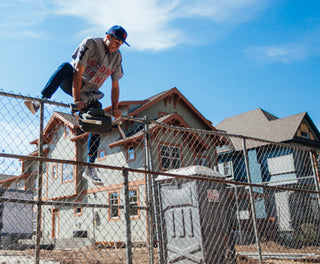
(98, 63)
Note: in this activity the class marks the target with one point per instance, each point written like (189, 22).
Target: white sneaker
(91, 174)
(33, 106)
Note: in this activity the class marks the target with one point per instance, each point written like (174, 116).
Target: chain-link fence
(168, 193)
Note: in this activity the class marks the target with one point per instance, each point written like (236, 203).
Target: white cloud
(151, 24)
(222, 11)
(285, 54)
(304, 48)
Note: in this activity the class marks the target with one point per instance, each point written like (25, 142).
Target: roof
(262, 125)
(173, 119)
(68, 119)
(171, 95)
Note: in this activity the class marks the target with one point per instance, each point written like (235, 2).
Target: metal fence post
(315, 172)
(149, 192)
(127, 216)
(154, 193)
(39, 185)
(253, 208)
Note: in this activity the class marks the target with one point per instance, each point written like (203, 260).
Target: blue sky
(226, 56)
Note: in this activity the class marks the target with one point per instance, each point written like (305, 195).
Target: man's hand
(80, 105)
(116, 113)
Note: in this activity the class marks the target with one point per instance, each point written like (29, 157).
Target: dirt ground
(91, 255)
(272, 247)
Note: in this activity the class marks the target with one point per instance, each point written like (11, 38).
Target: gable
(173, 119)
(305, 131)
(163, 108)
(168, 102)
(56, 120)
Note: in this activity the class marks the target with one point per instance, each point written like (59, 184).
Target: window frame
(136, 203)
(67, 131)
(201, 157)
(103, 150)
(62, 173)
(110, 217)
(223, 167)
(35, 181)
(128, 154)
(21, 184)
(55, 165)
(77, 207)
(55, 135)
(171, 146)
(305, 134)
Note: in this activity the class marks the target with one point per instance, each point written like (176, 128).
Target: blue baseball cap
(118, 32)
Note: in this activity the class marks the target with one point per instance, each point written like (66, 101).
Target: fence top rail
(23, 97)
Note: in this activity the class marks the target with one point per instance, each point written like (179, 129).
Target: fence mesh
(168, 194)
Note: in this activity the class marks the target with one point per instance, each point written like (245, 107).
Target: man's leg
(93, 145)
(62, 76)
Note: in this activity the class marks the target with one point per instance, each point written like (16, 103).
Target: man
(93, 62)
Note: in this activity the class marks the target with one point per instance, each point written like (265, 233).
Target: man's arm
(76, 86)
(115, 99)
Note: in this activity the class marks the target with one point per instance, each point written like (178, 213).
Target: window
(102, 154)
(35, 181)
(44, 167)
(131, 154)
(201, 160)
(305, 134)
(225, 168)
(55, 136)
(67, 131)
(133, 200)
(77, 211)
(67, 172)
(54, 171)
(170, 157)
(114, 200)
(34, 220)
(21, 184)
